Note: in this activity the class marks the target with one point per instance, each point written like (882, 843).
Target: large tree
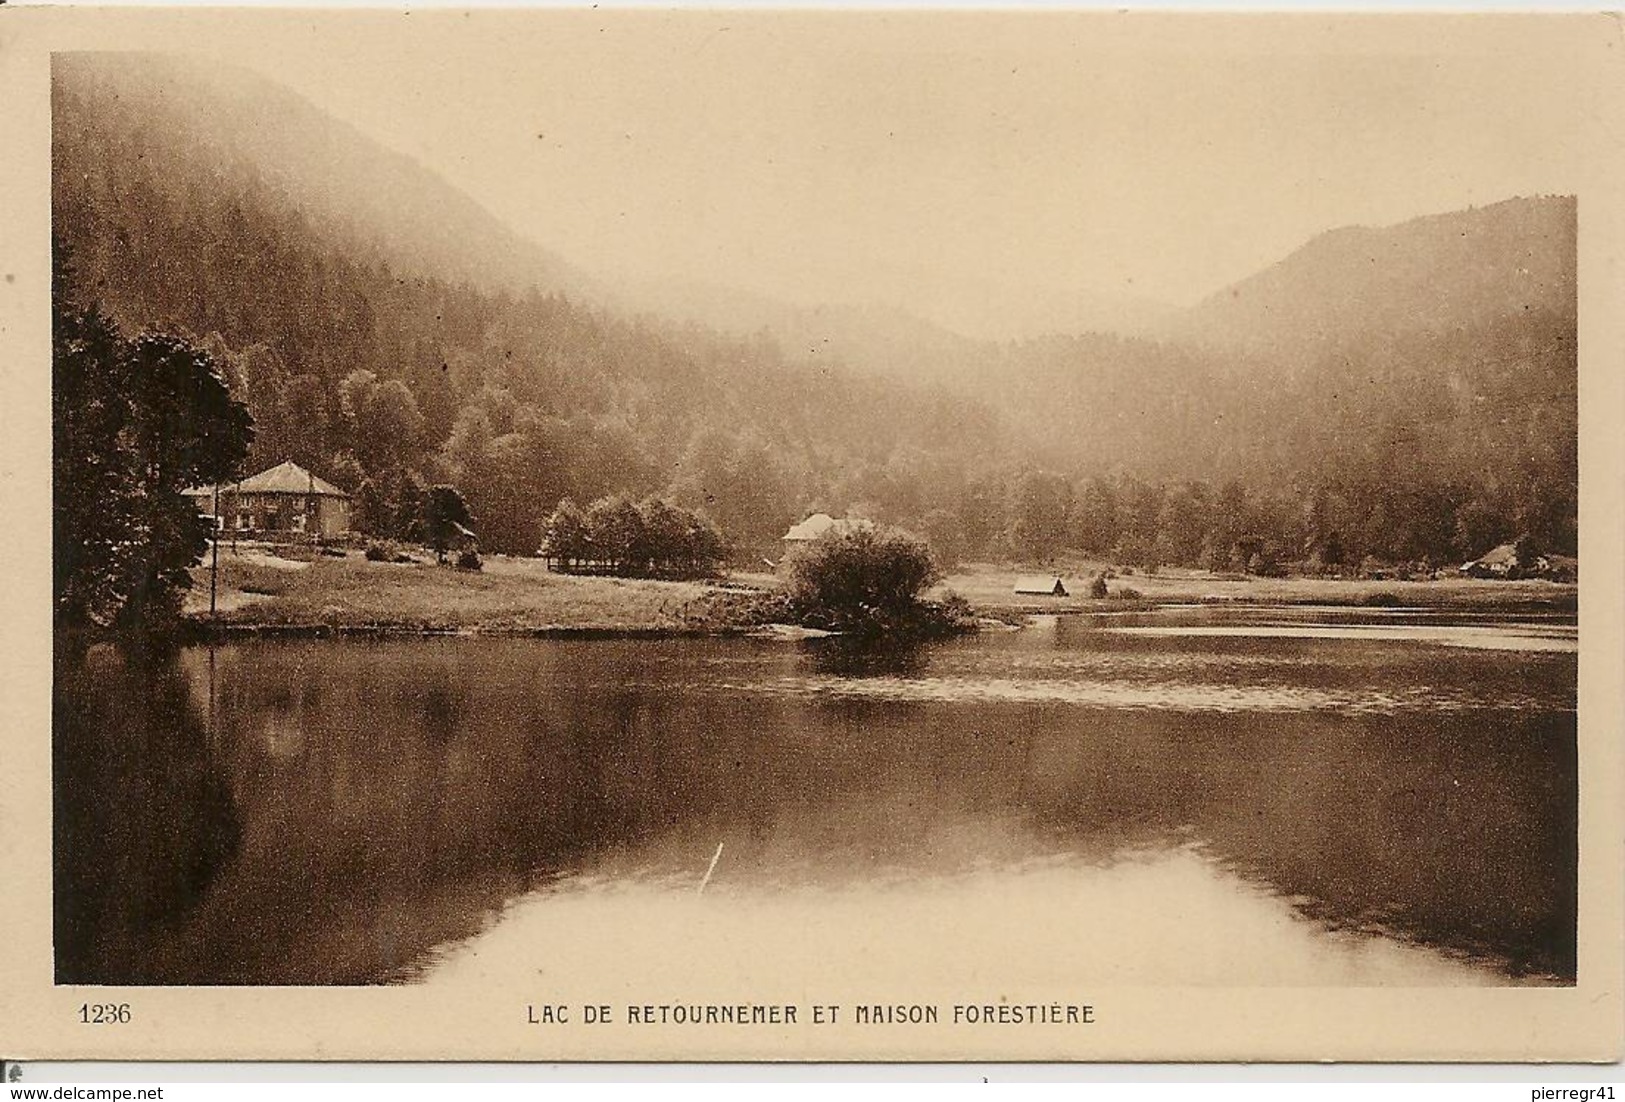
(445, 518)
(867, 579)
(134, 423)
(1038, 521)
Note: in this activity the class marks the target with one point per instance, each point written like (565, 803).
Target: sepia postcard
(718, 534)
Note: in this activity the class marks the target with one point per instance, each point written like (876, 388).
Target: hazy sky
(986, 172)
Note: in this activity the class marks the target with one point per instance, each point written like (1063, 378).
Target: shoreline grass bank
(990, 591)
(262, 593)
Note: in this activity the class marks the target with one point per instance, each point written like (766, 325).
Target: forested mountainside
(215, 124)
(1406, 393)
(1464, 271)
(359, 362)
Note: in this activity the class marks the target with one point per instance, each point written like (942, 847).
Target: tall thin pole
(214, 566)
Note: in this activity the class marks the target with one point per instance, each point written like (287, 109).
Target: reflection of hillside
(368, 802)
(1456, 831)
(416, 806)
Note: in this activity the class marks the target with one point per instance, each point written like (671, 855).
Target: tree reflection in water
(143, 819)
(339, 812)
(869, 656)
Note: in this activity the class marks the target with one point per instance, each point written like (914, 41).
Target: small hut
(1041, 587)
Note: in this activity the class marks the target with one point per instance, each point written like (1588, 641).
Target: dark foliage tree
(862, 580)
(649, 539)
(614, 532)
(1528, 548)
(445, 519)
(372, 515)
(1038, 526)
(1183, 523)
(945, 536)
(564, 535)
(134, 423)
(1093, 523)
(408, 506)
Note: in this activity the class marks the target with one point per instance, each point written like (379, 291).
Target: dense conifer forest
(1403, 395)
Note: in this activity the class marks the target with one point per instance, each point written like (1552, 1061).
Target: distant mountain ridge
(1403, 371)
(380, 203)
(1432, 274)
(1435, 274)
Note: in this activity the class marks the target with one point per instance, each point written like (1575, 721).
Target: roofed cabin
(1041, 587)
(285, 500)
(1503, 562)
(819, 525)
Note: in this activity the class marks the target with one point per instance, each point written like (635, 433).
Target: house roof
(811, 528)
(1044, 585)
(1506, 554)
(284, 478)
(820, 524)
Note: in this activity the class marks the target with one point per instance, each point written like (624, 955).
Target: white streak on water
(1564, 639)
(1134, 695)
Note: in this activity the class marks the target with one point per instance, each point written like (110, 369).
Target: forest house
(284, 502)
(821, 524)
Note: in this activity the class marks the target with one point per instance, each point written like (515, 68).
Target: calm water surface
(1177, 796)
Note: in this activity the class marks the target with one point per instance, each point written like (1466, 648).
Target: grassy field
(258, 588)
(990, 590)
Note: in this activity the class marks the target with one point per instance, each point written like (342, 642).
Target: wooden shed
(1038, 586)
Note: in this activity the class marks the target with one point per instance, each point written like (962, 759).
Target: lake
(1169, 796)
